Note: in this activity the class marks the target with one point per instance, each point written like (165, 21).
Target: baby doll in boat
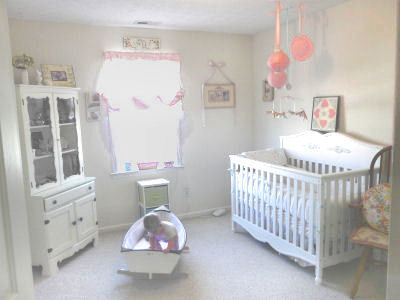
(160, 231)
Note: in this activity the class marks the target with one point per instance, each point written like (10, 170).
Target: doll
(160, 231)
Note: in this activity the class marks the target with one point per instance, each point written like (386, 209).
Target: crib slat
(351, 190)
(243, 192)
(311, 221)
(237, 192)
(257, 197)
(335, 218)
(246, 209)
(262, 202)
(251, 196)
(274, 204)
(268, 219)
(295, 213)
(233, 187)
(343, 217)
(302, 214)
(359, 197)
(288, 196)
(281, 200)
(328, 215)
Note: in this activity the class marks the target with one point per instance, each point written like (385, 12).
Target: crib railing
(318, 235)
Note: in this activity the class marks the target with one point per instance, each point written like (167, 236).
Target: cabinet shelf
(40, 126)
(42, 156)
(69, 151)
(67, 124)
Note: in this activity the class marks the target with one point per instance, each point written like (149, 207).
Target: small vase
(24, 76)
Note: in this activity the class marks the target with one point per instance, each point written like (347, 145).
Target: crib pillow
(271, 156)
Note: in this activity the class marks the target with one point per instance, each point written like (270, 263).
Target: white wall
(354, 58)
(204, 181)
(15, 261)
(5, 284)
(393, 281)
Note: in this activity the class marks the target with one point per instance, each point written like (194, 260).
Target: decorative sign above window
(141, 43)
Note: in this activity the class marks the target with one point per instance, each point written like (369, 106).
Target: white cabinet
(85, 212)
(60, 232)
(61, 201)
(49, 118)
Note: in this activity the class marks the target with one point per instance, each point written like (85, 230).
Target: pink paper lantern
(302, 47)
(277, 79)
(278, 61)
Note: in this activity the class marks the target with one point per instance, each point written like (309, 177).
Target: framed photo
(325, 113)
(93, 107)
(141, 43)
(268, 91)
(219, 95)
(58, 75)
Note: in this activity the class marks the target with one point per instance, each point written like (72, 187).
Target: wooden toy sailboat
(139, 256)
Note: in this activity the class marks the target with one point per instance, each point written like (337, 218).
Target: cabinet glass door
(42, 141)
(68, 136)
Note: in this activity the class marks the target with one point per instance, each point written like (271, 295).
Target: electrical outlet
(187, 192)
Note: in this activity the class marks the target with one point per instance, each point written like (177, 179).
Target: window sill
(139, 172)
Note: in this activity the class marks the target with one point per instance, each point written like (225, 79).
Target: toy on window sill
(160, 231)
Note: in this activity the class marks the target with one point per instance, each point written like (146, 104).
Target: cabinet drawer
(156, 195)
(67, 196)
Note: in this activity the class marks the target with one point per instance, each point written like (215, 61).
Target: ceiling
(228, 16)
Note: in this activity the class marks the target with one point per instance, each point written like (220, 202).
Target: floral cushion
(367, 236)
(376, 207)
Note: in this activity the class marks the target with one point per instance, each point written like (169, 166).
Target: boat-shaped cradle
(140, 258)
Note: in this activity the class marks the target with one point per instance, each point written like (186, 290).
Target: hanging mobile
(300, 113)
(277, 114)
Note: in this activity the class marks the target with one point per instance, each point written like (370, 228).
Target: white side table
(152, 194)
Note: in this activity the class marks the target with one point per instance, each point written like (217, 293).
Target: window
(143, 95)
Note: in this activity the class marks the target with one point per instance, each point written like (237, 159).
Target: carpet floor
(220, 265)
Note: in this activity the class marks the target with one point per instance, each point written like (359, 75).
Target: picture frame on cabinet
(58, 75)
(268, 91)
(219, 95)
(325, 114)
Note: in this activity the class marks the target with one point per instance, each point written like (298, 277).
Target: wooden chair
(374, 232)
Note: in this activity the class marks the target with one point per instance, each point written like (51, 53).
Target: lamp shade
(277, 79)
(278, 61)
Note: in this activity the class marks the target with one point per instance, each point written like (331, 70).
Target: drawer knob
(80, 219)
(90, 188)
(54, 202)
(74, 223)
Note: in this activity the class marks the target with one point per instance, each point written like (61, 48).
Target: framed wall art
(325, 113)
(268, 91)
(93, 107)
(141, 43)
(58, 75)
(219, 95)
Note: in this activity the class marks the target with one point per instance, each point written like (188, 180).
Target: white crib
(296, 198)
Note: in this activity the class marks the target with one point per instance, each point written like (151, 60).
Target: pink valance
(136, 55)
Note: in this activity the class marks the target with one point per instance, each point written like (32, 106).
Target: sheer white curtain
(143, 92)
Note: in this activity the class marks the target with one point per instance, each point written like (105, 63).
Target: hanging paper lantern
(302, 47)
(277, 79)
(278, 61)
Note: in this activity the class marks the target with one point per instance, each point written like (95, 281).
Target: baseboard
(200, 213)
(181, 216)
(114, 227)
